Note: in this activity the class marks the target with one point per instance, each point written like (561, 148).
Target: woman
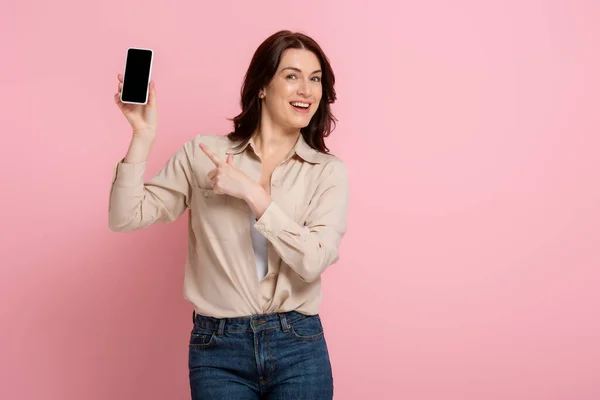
(268, 207)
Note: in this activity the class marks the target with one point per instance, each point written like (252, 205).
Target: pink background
(471, 269)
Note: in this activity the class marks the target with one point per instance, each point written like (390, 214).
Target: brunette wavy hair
(263, 67)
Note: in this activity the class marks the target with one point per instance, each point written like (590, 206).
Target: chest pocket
(219, 216)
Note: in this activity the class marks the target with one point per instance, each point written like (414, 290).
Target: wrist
(253, 192)
(258, 199)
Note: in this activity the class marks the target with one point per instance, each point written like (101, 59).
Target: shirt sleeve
(311, 248)
(134, 204)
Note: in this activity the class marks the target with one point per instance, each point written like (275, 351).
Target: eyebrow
(299, 70)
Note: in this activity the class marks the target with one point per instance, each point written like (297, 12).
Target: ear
(230, 159)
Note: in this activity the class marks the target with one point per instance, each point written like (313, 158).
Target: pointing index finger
(213, 157)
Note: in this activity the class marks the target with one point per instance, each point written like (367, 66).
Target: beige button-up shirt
(304, 224)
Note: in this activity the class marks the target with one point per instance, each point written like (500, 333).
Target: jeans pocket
(202, 338)
(307, 329)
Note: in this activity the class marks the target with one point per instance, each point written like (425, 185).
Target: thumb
(152, 95)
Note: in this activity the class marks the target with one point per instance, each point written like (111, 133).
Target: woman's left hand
(227, 179)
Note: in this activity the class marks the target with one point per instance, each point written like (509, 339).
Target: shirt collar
(301, 148)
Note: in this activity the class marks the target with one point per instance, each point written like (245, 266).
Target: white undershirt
(260, 244)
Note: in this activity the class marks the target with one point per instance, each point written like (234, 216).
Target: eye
(318, 79)
(291, 75)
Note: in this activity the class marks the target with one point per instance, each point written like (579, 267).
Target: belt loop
(221, 327)
(284, 324)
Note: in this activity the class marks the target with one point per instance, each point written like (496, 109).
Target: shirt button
(275, 183)
(205, 194)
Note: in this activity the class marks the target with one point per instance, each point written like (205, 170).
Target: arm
(134, 204)
(308, 249)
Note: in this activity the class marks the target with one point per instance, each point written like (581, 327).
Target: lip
(301, 111)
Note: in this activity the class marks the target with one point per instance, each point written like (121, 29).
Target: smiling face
(293, 95)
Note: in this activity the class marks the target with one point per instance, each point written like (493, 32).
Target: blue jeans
(273, 356)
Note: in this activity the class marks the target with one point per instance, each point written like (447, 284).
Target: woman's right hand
(142, 117)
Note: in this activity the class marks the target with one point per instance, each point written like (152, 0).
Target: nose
(304, 87)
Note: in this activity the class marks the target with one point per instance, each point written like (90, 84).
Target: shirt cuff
(272, 222)
(129, 174)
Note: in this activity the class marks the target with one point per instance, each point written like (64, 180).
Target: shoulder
(216, 143)
(332, 169)
(330, 161)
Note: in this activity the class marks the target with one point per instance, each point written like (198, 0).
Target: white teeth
(305, 105)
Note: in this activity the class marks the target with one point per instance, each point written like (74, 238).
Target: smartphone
(136, 78)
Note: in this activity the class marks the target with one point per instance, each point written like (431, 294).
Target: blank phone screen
(137, 74)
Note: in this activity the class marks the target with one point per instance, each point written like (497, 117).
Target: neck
(275, 142)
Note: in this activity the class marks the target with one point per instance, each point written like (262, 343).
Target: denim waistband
(248, 322)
